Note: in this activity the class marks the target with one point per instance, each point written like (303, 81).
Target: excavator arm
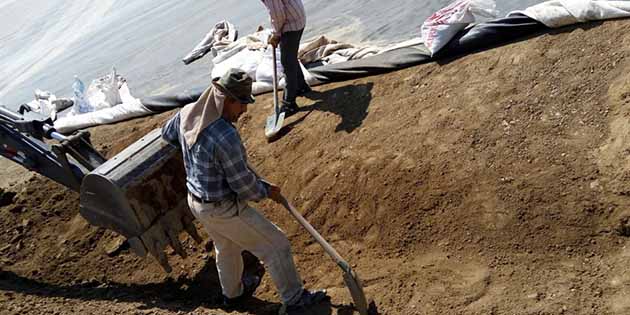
(139, 193)
(66, 161)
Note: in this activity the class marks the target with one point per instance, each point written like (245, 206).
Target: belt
(214, 202)
(204, 201)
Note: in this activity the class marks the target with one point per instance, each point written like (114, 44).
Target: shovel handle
(350, 277)
(342, 263)
(275, 81)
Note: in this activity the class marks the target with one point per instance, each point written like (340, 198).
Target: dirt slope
(491, 184)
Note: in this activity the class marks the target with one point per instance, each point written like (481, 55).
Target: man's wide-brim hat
(237, 84)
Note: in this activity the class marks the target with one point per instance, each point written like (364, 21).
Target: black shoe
(289, 109)
(250, 284)
(307, 89)
(308, 298)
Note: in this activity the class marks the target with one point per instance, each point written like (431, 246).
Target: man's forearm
(255, 191)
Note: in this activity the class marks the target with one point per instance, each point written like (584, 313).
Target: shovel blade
(355, 287)
(274, 124)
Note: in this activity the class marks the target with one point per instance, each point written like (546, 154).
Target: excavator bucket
(141, 194)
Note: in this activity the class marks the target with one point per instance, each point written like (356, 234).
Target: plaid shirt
(286, 15)
(216, 165)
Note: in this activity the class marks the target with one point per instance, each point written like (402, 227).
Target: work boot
(250, 281)
(289, 109)
(308, 299)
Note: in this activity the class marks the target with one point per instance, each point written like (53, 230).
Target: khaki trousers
(235, 227)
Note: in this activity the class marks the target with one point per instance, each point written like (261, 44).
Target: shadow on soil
(175, 295)
(349, 102)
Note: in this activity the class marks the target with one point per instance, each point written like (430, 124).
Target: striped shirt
(216, 165)
(286, 15)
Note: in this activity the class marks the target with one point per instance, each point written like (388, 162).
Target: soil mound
(496, 183)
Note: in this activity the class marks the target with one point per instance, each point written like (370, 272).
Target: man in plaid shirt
(288, 20)
(220, 184)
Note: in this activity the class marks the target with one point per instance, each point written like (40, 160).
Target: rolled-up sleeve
(239, 177)
(278, 15)
(170, 131)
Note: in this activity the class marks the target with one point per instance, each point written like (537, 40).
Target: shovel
(349, 276)
(275, 120)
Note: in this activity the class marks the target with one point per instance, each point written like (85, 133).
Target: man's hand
(275, 193)
(274, 39)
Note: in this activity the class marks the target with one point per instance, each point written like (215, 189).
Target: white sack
(266, 86)
(442, 26)
(103, 92)
(42, 103)
(264, 72)
(246, 60)
(319, 48)
(219, 37)
(558, 13)
(255, 41)
(330, 51)
(131, 107)
(48, 104)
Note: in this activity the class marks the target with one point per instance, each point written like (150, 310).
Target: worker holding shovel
(220, 184)
(288, 20)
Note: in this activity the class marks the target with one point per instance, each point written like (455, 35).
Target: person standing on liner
(220, 184)
(288, 20)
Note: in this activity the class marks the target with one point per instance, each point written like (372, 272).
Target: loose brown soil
(497, 183)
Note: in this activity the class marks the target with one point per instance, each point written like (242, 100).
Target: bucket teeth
(156, 240)
(165, 232)
(190, 228)
(173, 224)
(137, 246)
